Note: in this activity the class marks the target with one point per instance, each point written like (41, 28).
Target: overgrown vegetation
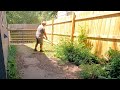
(94, 71)
(77, 52)
(92, 66)
(11, 64)
(113, 66)
(109, 70)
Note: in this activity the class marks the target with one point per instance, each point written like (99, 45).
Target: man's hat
(43, 22)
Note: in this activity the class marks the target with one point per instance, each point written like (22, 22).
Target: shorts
(39, 41)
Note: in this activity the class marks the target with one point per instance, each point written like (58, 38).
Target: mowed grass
(48, 49)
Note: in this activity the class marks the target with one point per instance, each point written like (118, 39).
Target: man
(40, 33)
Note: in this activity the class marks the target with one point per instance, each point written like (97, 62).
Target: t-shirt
(40, 31)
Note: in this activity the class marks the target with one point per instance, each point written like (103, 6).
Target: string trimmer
(48, 41)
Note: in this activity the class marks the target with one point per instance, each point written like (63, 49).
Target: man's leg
(36, 45)
(41, 45)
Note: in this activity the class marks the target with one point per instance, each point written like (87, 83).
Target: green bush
(113, 54)
(94, 71)
(110, 70)
(64, 50)
(11, 64)
(82, 54)
(114, 65)
(82, 35)
(77, 52)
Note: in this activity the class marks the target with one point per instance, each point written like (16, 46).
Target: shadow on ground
(37, 65)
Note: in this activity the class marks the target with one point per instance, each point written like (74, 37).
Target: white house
(63, 13)
(66, 13)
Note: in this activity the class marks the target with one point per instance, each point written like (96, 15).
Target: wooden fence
(102, 28)
(3, 45)
(22, 33)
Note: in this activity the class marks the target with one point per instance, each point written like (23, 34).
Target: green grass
(49, 50)
(12, 72)
(93, 71)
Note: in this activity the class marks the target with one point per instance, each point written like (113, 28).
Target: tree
(29, 17)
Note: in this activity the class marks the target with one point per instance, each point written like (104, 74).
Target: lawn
(49, 50)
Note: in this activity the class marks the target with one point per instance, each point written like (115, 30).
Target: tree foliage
(29, 17)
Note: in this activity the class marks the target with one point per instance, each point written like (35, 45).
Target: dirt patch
(37, 65)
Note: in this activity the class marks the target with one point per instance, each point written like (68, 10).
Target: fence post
(52, 31)
(9, 40)
(73, 27)
(3, 65)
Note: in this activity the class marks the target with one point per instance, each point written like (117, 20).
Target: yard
(87, 47)
(38, 65)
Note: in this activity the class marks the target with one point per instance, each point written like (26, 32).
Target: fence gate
(22, 33)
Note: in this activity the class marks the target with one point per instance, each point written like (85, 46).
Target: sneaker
(41, 51)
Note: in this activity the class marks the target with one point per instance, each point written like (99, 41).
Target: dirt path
(36, 65)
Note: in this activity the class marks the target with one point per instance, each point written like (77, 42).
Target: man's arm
(45, 35)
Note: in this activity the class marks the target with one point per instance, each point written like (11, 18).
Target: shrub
(77, 52)
(82, 54)
(113, 54)
(64, 51)
(82, 35)
(114, 65)
(110, 70)
(94, 71)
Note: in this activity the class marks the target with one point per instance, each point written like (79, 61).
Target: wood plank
(73, 27)
(52, 31)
